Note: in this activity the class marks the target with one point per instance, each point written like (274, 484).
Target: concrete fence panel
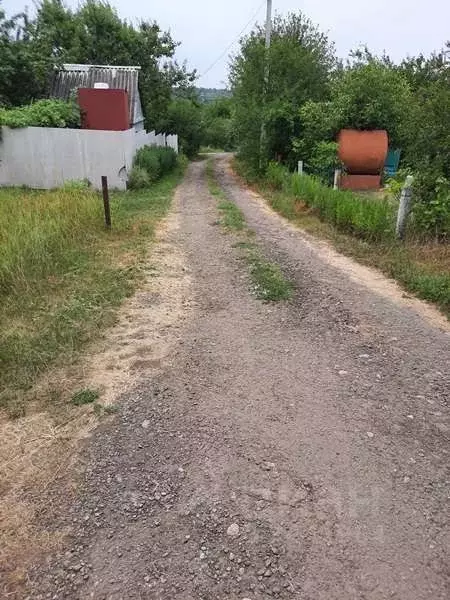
(45, 157)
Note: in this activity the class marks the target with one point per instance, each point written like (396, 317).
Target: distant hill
(211, 94)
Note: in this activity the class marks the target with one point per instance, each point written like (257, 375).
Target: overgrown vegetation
(62, 275)
(201, 124)
(301, 59)
(42, 113)
(367, 217)
(217, 124)
(150, 164)
(184, 117)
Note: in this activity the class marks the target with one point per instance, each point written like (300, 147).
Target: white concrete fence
(47, 157)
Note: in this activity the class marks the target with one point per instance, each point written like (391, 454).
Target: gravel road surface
(296, 450)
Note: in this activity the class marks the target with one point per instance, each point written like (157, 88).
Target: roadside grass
(362, 215)
(421, 268)
(63, 275)
(268, 282)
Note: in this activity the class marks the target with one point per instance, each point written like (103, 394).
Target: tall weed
(62, 274)
(363, 216)
(41, 234)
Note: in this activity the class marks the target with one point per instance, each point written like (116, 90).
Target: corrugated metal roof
(72, 76)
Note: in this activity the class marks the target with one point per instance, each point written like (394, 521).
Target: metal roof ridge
(82, 67)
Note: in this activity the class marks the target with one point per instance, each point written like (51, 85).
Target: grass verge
(421, 268)
(63, 276)
(268, 282)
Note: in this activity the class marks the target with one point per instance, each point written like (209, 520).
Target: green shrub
(324, 160)
(42, 113)
(138, 179)
(167, 159)
(276, 175)
(246, 170)
(147, 158)
(431, 206)
(155, 161)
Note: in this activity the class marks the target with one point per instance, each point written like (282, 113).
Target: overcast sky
(207, 27)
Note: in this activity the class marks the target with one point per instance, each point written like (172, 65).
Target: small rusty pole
(105, 193)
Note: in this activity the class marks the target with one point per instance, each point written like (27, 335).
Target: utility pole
(268, 24)
(266, 79)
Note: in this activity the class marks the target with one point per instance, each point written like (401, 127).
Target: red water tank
(363, 152)
(105, 109)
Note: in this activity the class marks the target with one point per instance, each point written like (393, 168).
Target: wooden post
(300, 167)
(106, 206)
(337, 177)
(404, 206)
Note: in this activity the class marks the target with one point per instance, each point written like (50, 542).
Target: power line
(233, 42)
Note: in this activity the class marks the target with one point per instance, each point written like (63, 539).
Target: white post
(337, 177)
(300, 167)
(404, 206)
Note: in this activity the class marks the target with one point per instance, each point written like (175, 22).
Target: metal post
(266, 79)
(300, 167)
(404, 206)
(106, 206)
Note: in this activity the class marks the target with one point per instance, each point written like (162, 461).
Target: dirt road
(290, 450)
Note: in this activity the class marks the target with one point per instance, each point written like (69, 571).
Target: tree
(371, 94)
(20, 66)
(427, 140)
(427, 122)
(301, 59)
(184, 117)
(218, 124)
